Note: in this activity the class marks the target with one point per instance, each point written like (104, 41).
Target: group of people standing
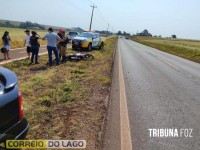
(56, 43)
(32, 45)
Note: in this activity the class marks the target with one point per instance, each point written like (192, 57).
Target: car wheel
(74, 48)
(101, 46)
(88, 57)
(90, 47)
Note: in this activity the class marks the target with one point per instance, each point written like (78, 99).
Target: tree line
(24, 25)
(143, 33)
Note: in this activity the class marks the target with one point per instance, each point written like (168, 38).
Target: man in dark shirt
(34, 47)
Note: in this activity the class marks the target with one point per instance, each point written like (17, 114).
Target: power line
(93, 5)
(101, 16)
(99, 12)
(91, 2)
(78, 7)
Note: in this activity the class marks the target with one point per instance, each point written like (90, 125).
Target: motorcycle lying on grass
(79, 56)
(76, 57)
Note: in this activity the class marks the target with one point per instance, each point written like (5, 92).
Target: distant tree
(174, 36)
(7, 24)
(119, 33)
(125, 33)
(23, 25)
(29, 24)
(145, 33)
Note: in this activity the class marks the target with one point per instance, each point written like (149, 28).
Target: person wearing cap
(62, 45)
(27, 43)
(6, 42)
(34, 47)
(52, 39)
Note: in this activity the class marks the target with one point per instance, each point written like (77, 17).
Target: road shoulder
(112, 131)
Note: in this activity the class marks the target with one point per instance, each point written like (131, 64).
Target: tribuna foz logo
(170, 132)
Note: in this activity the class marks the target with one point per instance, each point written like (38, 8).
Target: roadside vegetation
(66, 101)
(189, 49)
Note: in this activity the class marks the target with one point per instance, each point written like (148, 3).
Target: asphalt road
(20, 53)
(162, 92)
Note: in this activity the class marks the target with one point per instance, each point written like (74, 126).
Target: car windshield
(72, 33)
(86, 34)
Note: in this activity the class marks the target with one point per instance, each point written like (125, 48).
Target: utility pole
(92, 16)
(107, 29)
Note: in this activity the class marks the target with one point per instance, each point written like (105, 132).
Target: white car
(88, 40)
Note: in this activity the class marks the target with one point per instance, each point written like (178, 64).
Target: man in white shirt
(27, 43)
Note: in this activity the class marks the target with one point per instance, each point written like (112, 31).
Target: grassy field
(189, 49)
(66, 101)
(18, 36)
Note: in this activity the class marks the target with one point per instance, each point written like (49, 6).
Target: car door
(94, 40)
(98, 40)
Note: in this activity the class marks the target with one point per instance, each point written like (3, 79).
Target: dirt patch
(39, 68)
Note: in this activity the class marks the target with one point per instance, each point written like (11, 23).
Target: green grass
(66, 101)
(189, 49)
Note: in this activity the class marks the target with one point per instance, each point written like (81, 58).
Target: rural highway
(152, 91)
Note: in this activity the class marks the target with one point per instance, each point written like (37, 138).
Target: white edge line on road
(168, 63)
(12, 60)
(126, 143)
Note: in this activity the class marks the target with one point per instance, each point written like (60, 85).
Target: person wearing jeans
(52, 39)
(55, 50)
(35, 51)
(34, 47)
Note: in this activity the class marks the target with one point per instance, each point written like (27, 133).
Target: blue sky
(159, 17)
